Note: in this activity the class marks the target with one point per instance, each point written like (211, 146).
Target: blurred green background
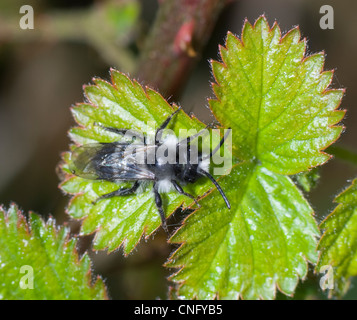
(41, 75)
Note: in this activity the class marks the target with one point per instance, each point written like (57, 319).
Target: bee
(119, 161)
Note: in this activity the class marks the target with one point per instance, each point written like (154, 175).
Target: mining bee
(118, 161)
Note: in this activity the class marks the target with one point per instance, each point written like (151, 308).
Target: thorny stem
(180, 31)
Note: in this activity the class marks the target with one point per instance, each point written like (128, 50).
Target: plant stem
(175, 42)
(343, 154)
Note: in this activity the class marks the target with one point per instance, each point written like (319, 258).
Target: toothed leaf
(122, 220)
(338, 244)
(38, 261)
(262, 242)
(282, 115)
(275, 99)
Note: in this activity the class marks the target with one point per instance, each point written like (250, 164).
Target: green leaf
(38, 261)
(275, 99)
(338, 244)
(261, 243)
(282, 115)
(121, 220)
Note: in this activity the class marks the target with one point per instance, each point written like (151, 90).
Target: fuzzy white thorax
(166, 153)
(204, 164)
(164, 186)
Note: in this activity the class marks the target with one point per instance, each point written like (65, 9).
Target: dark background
(41, 79)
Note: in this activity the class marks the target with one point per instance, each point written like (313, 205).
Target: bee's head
(189, 173)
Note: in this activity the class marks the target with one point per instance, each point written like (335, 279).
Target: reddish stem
(180, 31)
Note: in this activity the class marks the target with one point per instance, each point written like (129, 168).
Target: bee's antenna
(208, 175)
(189, 139)
(209, 156)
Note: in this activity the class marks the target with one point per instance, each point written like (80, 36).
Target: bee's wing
(129, 163)
(111, 161)
(82, 160)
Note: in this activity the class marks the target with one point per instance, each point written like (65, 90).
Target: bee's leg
(164, 124)
(158, 202)
(119, 192)
(180, 190)
(123, 132)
